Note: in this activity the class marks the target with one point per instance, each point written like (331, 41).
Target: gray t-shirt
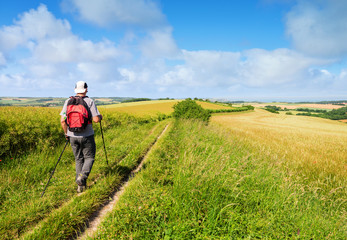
(89, 129)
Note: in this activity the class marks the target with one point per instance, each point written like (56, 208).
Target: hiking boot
(81, 188)
(80, 180)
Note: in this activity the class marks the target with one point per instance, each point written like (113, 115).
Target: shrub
(271, 110)
(189, 109)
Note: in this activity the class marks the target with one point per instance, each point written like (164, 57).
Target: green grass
(201, 183)
(60, 213)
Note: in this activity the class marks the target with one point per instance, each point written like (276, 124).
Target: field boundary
(96, 218)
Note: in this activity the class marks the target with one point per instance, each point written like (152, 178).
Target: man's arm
(63, 124)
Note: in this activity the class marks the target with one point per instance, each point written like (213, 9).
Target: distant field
(294, 106)
(155, 107)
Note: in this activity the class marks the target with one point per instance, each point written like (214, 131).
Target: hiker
(81, 136)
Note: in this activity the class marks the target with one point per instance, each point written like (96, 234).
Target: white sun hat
(81, 87)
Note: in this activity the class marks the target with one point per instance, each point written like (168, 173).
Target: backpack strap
(76, 98)
(88, 109)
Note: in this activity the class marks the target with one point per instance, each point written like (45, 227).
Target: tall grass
(23, 129)
(23, 177)
(200, 183)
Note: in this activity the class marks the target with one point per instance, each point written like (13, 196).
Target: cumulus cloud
(252, 68)
(154, 66)
(159, 44)
(33, 25)
(319, 27)
(142, 13)
(73, 49)
(280, 66)
(50, 52)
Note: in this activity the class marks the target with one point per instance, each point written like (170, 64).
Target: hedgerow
(239, 109)
(189, 109)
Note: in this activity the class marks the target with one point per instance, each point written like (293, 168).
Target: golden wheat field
(311, 145)
(155, 107)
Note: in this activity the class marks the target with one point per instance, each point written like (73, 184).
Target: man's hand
(67, 137)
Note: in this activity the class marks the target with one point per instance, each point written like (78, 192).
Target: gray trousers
(84, 150)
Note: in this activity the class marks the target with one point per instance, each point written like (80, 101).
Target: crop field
(244, 175)
(153, 108)
(309, 144)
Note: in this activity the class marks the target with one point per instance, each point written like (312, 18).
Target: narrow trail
(98, 216)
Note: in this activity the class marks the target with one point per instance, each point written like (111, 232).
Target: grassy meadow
(245, 175)
(233, 179)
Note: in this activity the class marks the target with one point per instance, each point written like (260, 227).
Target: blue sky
(268, 50)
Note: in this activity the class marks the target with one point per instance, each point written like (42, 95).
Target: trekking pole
(102, 134)
(67, 140)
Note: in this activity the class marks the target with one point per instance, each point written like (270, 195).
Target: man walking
(81, 137)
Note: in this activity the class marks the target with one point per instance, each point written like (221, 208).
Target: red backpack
(78, 114)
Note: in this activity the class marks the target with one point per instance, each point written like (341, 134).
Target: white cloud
(251, 68)
(159, 44)
(319, 27)
(148, 63)
(33, 25)
(73, 49)
(16, 81)
(280, 66)
(43, 51)
(142, 13)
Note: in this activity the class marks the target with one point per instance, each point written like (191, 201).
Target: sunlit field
(313, 146)
(247, 175)
(153, 108)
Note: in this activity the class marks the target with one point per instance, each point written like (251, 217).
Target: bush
(189, 109)
(271, 110)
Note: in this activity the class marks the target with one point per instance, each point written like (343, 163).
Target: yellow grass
(153, 108)
(316, 147)
(150, 108)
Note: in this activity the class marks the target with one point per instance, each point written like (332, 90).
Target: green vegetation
(239, 109)
(335, 114)
(25, 129)
(189, 109)
(59, 214)
(137, 100)
(273, 109)
(311, 110)
(201, 183)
